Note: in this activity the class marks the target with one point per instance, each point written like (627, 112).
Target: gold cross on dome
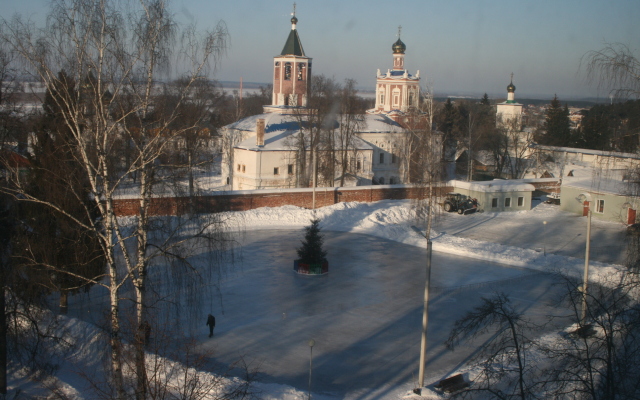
(294, 10)
(399, 30)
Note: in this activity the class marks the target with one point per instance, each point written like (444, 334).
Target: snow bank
(392, 220)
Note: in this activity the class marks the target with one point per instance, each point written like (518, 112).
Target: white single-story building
(609, 198)
(498, 194)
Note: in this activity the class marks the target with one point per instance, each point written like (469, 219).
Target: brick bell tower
(291, 73)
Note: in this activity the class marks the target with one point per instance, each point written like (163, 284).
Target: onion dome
(511, 88)
(399, 47)
(294, 20)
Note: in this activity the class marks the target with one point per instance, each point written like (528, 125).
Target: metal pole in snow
(544, 238)
(314, 180)
(585, 283)
(311, 344)
(425, 318)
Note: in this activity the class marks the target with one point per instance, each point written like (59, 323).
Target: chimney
(260, 132)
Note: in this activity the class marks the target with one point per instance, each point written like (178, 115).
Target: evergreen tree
(557, 127)
(51, 248)
(446, 118)
(485, 100)
(311, 251)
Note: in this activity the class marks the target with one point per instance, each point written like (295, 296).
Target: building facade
(264, 151)
(397, 91)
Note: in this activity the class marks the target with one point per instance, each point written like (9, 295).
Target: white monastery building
(263, 151)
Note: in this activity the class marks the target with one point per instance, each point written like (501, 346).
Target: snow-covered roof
(379, 123)
(494, 186)
(484, 157)
(599, 185)
(274, 122)
(585, 151)
(279, 140)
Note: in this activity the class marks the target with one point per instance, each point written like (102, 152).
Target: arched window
(301, 68)
(287, 71)
(381, 180)
(277, 70)
(396, 97)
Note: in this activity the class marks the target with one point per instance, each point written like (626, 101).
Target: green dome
(399, 47)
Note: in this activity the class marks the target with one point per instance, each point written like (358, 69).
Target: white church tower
(509, 111)
(397, 90)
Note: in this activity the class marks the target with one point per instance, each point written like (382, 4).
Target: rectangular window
(507, 202)
(381, 158)
(600, 206)
(243, 168)
(358, 166)
(290, 169)
(393, 159)
(276, 171)
(494, 202)
(238, 167)
(520, 201)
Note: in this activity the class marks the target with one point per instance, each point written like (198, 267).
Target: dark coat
(211, 320)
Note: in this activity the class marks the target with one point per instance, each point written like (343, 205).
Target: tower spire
(294, 20)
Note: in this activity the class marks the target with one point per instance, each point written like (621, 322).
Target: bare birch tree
(614, 68)
(116, 57)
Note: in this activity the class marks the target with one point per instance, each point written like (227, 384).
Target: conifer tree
(485, 100)
(311, 251)
(557, 127)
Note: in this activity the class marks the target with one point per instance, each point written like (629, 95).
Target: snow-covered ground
(519, 240)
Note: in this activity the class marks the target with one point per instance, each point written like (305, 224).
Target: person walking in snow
(211, 321)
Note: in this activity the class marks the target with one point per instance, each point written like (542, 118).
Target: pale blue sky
(459, 46)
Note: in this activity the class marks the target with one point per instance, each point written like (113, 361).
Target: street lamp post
(585, 282)
(425, 315)
(544, 238)
(311, 344)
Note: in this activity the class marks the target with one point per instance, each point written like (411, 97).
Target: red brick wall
(245, 200)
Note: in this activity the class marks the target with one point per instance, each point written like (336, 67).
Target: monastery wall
(242, 200)
(247, 200)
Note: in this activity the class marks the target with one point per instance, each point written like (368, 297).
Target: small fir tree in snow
(311, 251)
